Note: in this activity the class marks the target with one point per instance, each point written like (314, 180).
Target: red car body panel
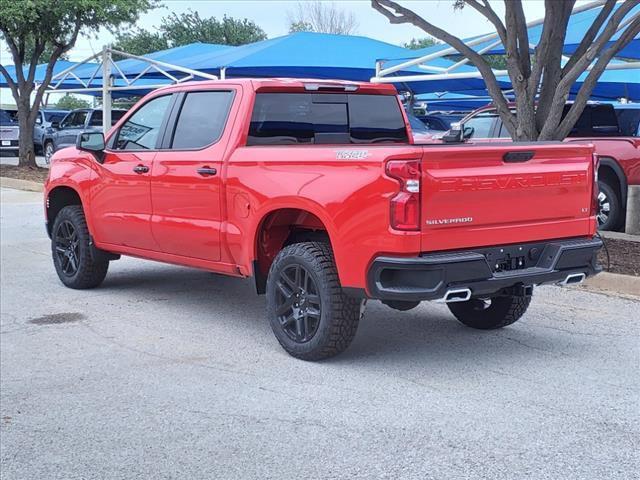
(217, 223)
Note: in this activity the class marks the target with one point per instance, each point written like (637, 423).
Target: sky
(271, 16)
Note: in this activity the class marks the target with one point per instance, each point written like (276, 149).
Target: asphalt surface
(166, 372)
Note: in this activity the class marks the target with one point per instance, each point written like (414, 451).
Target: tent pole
(106, 90)
(223, 73)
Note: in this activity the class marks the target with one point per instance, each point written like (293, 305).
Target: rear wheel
(78, 263)
(490, 313)
(310, 315)
(609, 208)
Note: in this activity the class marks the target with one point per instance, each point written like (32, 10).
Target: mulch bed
(24, 173)
(624, 257)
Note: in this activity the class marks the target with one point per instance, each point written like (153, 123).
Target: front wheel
(48, 152)
(78, 263)
(310, 315)
(490, 313)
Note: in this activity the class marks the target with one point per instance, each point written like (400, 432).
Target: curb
(18, 184)
(613, 283)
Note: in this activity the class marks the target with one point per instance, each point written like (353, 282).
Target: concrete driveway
(166, 372)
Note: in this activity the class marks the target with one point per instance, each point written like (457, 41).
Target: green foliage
(69, 102)
(43, 31)
(139, 42)
(56, 23)
(176, 30)
(418, 43)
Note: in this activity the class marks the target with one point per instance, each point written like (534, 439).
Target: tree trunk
(26, 121)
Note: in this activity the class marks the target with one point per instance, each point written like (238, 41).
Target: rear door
(186, 184)
(477, 195)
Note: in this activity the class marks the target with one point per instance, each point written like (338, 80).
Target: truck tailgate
(499, 194)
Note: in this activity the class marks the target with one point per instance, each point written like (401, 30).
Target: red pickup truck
(316, 190)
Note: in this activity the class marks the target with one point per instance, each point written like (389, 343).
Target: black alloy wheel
(298, 304)
(67, 247)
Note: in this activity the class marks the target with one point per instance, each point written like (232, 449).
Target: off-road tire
(92, 265)
(503, 311)
(339, 312)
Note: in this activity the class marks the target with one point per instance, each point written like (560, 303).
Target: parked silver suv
(65, 133)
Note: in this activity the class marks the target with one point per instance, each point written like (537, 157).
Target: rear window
(595, 120)
(315, 118)
(629, 121)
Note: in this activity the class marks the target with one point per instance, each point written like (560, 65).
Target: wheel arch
(281, 226)
(57, 198)
(612, 173)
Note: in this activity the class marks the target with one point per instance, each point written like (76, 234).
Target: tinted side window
(304, 118)
(75, 120)
(140, 131)
(376, 119)
(202, 119)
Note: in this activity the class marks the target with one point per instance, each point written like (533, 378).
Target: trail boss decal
(351, 154)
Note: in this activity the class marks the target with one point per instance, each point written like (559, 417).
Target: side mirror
(467, 132)
(55, 125)
(91, 142)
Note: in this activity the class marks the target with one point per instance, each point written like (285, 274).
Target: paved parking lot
(166, 372)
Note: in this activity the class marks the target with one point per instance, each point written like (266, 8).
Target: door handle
(207, 171)
(141, 169)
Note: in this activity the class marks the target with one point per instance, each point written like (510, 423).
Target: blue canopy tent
(298, 55)
(180, 56)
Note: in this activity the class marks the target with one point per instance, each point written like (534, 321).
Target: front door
(186, 179)
(121, 196)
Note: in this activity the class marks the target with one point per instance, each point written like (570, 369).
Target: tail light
(595, 203)
(405, 205)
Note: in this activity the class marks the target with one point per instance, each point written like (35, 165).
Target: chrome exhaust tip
(573, 279)
(456, 295)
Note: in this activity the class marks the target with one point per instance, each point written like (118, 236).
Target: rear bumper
(430, 276)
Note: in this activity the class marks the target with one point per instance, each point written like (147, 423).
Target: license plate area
(513, 257)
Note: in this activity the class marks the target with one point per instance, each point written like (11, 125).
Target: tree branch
(11, 83)
(489, 13)
(591, 33)
(592, 51)
(405, 15)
